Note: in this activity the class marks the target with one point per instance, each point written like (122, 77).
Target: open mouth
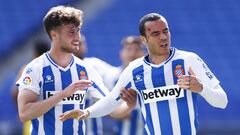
(164, 45)
(75, 43)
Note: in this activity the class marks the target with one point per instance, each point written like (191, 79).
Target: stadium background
(207, 27)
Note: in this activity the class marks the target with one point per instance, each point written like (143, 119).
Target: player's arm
(129, 96)
(214, 96)
(201, 80)
(15, 88)
(29, 107)
(113, 100)
(105, 105)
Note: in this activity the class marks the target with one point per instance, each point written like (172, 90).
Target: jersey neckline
(173, 50)
(56, 65)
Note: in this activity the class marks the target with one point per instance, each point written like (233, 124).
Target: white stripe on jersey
(153, 107)
(126, 127)
(172, 103)
(58, 108)
(40, 129)
(143, 109)
(191, 109)
(76, 106)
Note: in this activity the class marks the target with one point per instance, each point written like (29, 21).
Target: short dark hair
(146, 18)
(132, 40)
(59, 15)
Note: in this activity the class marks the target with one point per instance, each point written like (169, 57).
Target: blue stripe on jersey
(138, 78)
(96, 87)
(35, 125)
(134, 122)
(66, 79)
(194, 96)
(79, 69)
(95, 126)
(183, 110)
(129, 85)
(139, 100)
(48, 85)
(158, 80)
(119, 127)
(126, 87)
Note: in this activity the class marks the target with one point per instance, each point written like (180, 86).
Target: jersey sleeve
(109, 103)
(98, 89)
(203, 73)
(30, 78)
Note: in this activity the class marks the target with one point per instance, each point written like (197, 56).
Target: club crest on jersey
(178, 71)
(27, 80)
(83, 75)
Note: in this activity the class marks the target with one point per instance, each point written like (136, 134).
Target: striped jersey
(94, 126)
(44, 77)
(133, 124)
(166, 108)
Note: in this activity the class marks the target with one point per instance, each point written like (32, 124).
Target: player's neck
(157, 59)
(62, 59)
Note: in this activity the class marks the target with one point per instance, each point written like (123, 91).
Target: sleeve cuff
(33, 89)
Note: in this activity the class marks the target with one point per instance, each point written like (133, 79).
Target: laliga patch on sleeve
(27, 80)
(162, 93)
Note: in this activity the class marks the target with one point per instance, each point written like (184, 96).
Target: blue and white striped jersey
(166, 108)
(95, 126)
(133, 124)
(44, 77)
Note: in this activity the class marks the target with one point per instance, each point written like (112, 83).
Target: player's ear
(53, 34)
(144, 40)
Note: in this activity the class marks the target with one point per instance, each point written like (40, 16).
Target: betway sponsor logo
(76, 98)
(162, 93)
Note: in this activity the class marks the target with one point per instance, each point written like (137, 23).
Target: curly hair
(59, 15)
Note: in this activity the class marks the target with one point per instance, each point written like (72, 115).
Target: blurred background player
(93, 126)
(101, 66)
(131, 49)
(39, 47)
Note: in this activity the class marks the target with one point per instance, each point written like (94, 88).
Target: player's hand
(77, 85)
(190, 82)
(129, 96)
(74, 114)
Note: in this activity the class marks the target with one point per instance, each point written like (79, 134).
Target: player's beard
(68, 48)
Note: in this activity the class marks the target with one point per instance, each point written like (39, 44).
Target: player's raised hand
(190, 82)
(130, 96)
(74, 114)
(78, 85)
